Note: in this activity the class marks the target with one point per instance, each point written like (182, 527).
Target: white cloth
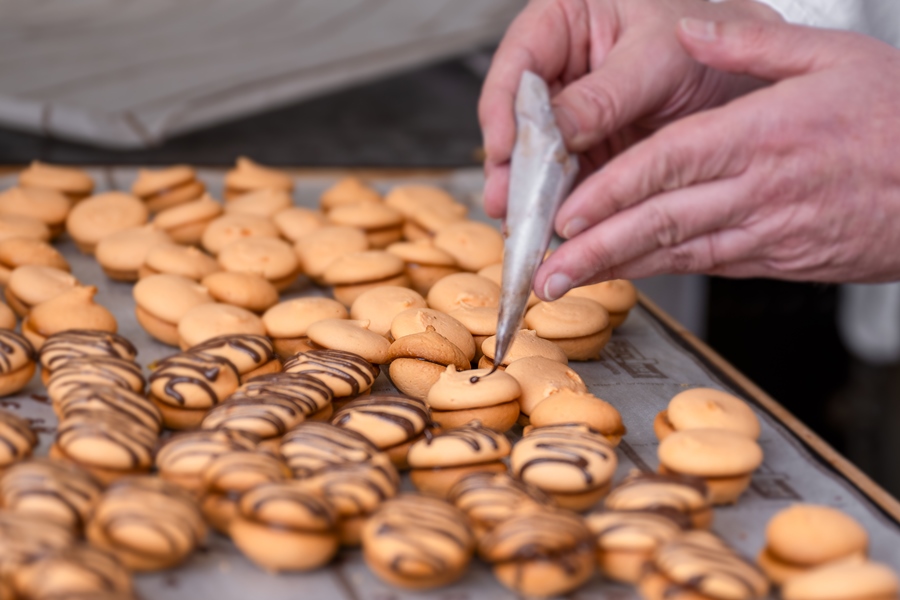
(877, 18)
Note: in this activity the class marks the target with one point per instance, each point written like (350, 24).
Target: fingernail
(574, 227)
(566, 122)
(557, 285)
(697, 28)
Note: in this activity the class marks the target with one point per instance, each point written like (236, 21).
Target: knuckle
(683, 259)
(600, 106)
(665, 227)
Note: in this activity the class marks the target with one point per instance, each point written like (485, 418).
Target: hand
(799, 180)
(617, 71)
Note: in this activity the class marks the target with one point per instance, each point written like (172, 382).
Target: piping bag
(541, 175)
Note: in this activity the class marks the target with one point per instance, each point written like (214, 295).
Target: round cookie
(307, 393)
(617, 296)
(382, 224)
(355, 490)
(185, 223)
(226, 229)
(177, 259)
(540, 553)
(843, 581)
(462, 290)
(541, 377)
(573, 465)
(147, 523)
(697, 564)
(206, 321)
(74, 183)
(724, 459)
(653, 492)
(262, 203)
(122, 254)
(23, 251)
(380, 305)
(392, 423)
(472, 244)
(489, 499)
(248, 176)
(354, 273)
(48, 206)
(31, 285)
(161, 189)
(418, 320)
(458, 397)
(80, 569)
(287, 323)
(25, 538)
(440, 460)
(568, 406)
(425, 264)
(321, 247)
(417, 542)
(230, 475)
(295, 222)
(577, 325)
(419, 360)
(183, 457)
(706, 408)
(50, 490)
(161, 302)
(102, 370)
(17, 226)
(494, 272)
(426, 208)
(481, 321)
(17, 440)
(271, 258)
(350, 336)
(805, 536)
(104, 214)
(251, 355)
(313, 447)
(348, 191)
(185, 386)
(72, 309)
(91, 398)
(244, 290)
(266, 417)
(347, 374)
(626, 540)
(525, 343)
(281, 528)
(17, 362)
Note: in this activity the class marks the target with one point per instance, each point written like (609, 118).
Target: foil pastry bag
(541, 175)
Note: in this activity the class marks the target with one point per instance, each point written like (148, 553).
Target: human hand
(799, 180)
(616, 70)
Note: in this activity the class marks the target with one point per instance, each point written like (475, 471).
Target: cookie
(283, 528)
(354, 273)
(489, 499)
(206, 321)
(122, 254)
(419, 360)
(161, 302)
(25, 538)
(18, 226)
(426, 208)
(22, 252)
(149, 524)
(348, 191)
(347, 374)
(573, 465)
(231, 474)
(17, 362)
(391, 423)
(417, 542)
(102, 370)
(706, 408)
(183, 458)
(92, 397)
(540, 553)
(382, 224)
(264, 416)
(226, 229)
(568, 406)
(462, 290)
(17, 440)
(440, 460)
(48, 206)
(380, 305)
(843, 581)
(472, 244)
(271, 258)
(627, 540)
(72, 309)
(653, 491)
(287, 322)
(104, 214)
(494, 272)
(577, 325)
(309, 394)
(525, 343)
(247, 176)
(425, 264)
(295, 222)
(177, 259)
(321, 247)
(251, 355)
(355, 490)
(245, 290)
(617, 296)
(539, 378)
(350, 336)
(161, 189)
(186, 222)
(724, 459)
(481, 321)
(80, 569)
(185, 386)
(261, 203)
(459, 397)
(313, 447)
(805, 536)
(697, 564)
(73, 182)
(418, 320)
(80, 343)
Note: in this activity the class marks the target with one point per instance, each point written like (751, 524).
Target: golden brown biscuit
(271, 258)
(17, 226)
(382, 224)
(462, 290)
(458, 397)
(426, 208)
(17, 362)
(617, 296)
(305, 392)
(295, 222)
(252, 355)
(347, 374)
(185, 223)
(706, 408)
(540, 377)
(161, 301)
(22, 252)
(183, 457)
(80, 569)
(17, 440)
(78, 343)
(419, 360)
(844, 581)
(104, 214)
(568, 406)
(417, 543)
(185, 386)
(102, 370)
(653, 491)
(247, 176)
(489, 499)
(481, 321)
(176, 259)
(349, 190)
(92, 397)
(245, 290)
(418, 320)
(352, 274)
(161, 189)
(577, 325)
(49, 206)
(280, 527)
(540, 553)
(72, 309)
(147, 523)
(380, 305)
(313, 447)
(350, 336)
(288, 322)
(71, 181)
(223, 230)
(425, 264)
(494, 272)
(472, 244)
(321, 247)
(261, 203)
(525, 343)
(24, 538)
(122, 254)
(206, 321)
(392, 423)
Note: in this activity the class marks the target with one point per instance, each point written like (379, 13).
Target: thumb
(764, 49)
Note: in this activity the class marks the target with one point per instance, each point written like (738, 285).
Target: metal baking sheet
(641, 369)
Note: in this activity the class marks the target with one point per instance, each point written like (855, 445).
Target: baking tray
(648, 360)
